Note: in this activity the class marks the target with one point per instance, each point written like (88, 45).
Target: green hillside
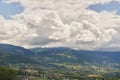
(60, 63)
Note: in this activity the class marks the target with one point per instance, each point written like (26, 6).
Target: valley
(60, 63)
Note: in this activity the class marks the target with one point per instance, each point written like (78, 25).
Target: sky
(111, 7)
(7, 10)
(77, 24)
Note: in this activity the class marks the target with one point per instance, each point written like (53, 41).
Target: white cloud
(59, 23)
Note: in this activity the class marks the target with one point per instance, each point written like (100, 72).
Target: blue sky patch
(111, 6)
(9, 9)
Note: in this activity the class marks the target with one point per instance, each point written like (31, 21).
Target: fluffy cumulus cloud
(54, 23)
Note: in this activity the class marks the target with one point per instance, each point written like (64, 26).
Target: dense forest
(8, 74)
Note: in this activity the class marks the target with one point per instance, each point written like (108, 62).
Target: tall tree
(7, 73)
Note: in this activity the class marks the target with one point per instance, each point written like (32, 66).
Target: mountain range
(10, 54)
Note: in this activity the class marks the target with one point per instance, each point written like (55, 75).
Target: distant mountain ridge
(56, 56)
(16, 49)
(79, 56)
(10, 54)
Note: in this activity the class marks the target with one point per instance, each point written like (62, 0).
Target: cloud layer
(54, 23)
